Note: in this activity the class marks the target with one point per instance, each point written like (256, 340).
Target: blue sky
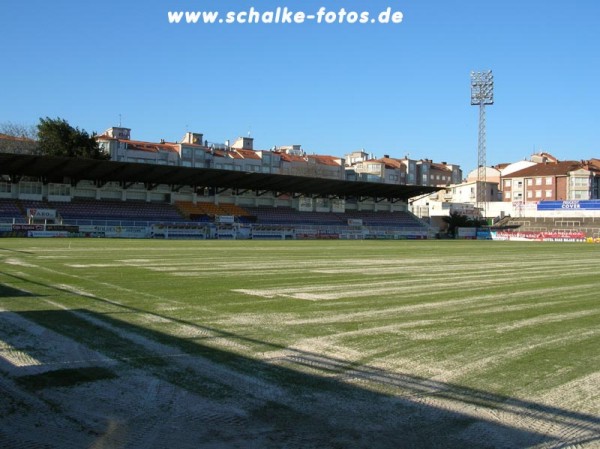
(390, 89)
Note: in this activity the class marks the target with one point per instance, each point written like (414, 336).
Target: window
(32, 188)
(5, 187)
(530, 182)
(549, 181)
(548, 193)
(529, 194)
(507, 183)
(580, 182)
(507, 195)
(538, 193)
(538, 181)
(59, 189)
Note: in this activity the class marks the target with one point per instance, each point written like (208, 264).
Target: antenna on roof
(120, 121)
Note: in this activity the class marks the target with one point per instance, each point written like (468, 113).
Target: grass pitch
(299, 344)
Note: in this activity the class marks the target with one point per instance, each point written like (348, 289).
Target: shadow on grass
(7, 292)
(18, 251)
(305, 399)
(66, 377)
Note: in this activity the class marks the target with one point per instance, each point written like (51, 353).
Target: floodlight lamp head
(482, 88)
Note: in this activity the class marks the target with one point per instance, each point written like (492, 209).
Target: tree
(58, 138)
(457, 220)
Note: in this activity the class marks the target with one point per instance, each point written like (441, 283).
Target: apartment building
(194, 151)
(553, 180)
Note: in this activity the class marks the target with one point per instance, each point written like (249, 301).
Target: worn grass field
(141, 344)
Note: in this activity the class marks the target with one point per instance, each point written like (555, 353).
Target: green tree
(457, 220)
(57, 138)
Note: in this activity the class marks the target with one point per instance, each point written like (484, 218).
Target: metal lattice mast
(482, 94)
(481, 159)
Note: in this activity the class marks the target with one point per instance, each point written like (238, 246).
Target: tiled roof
(592, 165)
(549, 169)
(151, 147)
(248, 154)
(441, 167)
(292, 158)
(326, 160)
(105, 137)
(390, 163)
(221, 153)
(16, 139)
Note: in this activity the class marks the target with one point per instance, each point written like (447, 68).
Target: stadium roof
(60, 169)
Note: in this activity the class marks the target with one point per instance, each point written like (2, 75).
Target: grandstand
(44, 196)
(588, 225)
(225, 220)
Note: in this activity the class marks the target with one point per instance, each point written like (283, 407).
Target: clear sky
(392, 89)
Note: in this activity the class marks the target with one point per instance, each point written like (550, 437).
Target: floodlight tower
(482, 94)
